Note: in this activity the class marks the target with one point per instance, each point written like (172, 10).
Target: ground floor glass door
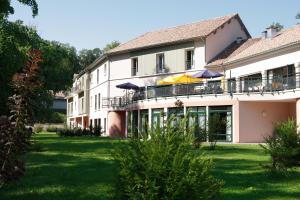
(197, 119)
(177, 114)
(157, 119)
(144, 121)
(224, 115)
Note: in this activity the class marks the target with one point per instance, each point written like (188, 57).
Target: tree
(277, 25)
(59, 63)
(111, 45)
(6, 8)
(86, 57)
(15, 136)
(298, 15)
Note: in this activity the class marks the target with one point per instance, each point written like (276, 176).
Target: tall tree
(86, 57)
(6, 8)
(111, 45)
(277, 25)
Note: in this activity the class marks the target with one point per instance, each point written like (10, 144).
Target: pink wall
(116, 124)
(256, 119)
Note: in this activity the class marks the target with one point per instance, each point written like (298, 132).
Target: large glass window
(197, 119)
(224, 115)
(144, 119)
(177, 114)
(134, 123)
(157, 120)
(282, 78)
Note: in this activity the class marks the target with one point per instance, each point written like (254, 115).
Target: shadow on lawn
(68, 169)
(246, 179)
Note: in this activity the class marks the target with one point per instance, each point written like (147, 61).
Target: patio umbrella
(184, 78)
(207, 74)
(128, 86)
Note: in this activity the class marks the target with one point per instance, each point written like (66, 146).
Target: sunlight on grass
(82, 168)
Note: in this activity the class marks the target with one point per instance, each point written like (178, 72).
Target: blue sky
(94, 23)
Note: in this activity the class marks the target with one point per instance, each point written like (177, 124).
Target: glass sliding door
(144, 119)
(223, 114)
(197, 119)
(134, 123)
(177, 114)
(129, 124)
(157, 119)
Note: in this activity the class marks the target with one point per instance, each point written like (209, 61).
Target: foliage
(110, 46)
(6, 8)
(277, 25)
(298, 15)
(14, 134)
(215, 125)
(38, 129)
(165, 167)
(86, 57)
(15, 40)
(283, 146)
(67, 132)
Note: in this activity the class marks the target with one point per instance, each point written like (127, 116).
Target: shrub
(283, 146)
(165, 166)
(51, 129)
(38, 128)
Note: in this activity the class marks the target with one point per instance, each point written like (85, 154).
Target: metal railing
(247, 85)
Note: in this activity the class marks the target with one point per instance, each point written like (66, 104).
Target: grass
(82, 168)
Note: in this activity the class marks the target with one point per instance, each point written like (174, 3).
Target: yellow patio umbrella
(183, 78)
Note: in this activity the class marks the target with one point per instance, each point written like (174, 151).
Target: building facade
(259, 87)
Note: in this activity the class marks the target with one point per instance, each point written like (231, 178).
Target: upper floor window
(189, 59)
(160, 63)
(99, 102)
(97, 76)
(105, 69)
(95, 102)
(91, 78)
(134, 66)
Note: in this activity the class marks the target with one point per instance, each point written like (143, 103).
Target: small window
(160, 63)
(91, 78)
(99, 102)
(97, 76)
(104, 69)
(134, 66)
(91, 101)
(189, 59)
(95, 102)
(104, 125)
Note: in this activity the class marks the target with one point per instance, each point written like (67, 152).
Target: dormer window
(160, 63)
(189, 59)
(134, 66)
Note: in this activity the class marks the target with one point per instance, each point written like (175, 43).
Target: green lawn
(81, 168)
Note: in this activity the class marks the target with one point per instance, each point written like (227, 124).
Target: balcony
(246, 85)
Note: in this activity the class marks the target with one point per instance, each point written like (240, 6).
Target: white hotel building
(260, 86)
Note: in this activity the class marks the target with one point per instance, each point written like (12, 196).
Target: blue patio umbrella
(207, 74)
(128, 86)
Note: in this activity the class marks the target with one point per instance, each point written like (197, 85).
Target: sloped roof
(257, 46)
(185, 32)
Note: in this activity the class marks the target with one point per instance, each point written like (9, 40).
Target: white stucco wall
(215, 43)
(257, 66)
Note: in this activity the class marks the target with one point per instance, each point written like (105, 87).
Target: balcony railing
(247, 85)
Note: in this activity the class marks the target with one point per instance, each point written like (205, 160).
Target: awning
(183, 78)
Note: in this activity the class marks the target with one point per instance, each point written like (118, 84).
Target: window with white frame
(134, 66)
(160, 63)
(97, 76)
(99, 101)
(105, 69)
(95, 102)
(91, 103)
(189, 59)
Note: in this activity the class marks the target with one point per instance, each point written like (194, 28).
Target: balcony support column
(264, 77)
(298, 113)
(297, 72)
(238, 84)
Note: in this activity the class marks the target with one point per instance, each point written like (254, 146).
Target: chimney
(264, 35)
(270, 32)
(239, 40)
